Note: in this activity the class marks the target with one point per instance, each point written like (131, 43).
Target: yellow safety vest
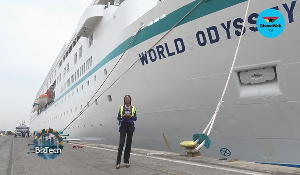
(132, 111)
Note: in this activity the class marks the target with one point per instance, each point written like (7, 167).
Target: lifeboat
(35, 105)
(44, 95)
(43, 100)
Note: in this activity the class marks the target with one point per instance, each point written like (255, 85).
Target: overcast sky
(32, 33)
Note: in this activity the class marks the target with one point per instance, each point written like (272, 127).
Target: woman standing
(126, 117)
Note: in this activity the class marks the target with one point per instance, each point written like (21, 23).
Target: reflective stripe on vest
(132, 110)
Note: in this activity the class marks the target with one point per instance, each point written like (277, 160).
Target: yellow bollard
(190, 148)
(188, 144)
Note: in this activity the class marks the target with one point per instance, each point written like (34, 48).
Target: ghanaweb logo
(270, 19)
(270, 23)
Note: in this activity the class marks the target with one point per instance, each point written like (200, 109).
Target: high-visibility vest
(132, 110)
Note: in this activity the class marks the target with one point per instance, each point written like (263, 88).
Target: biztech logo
(270, 23)
(48, 144)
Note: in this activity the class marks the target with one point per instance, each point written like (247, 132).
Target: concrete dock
(100, 159)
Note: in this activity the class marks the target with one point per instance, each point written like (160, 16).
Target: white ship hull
(177, 92)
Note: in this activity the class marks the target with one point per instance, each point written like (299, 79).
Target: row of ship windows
(61, 101)
(65, 55)
(75, 109)
(77, 74)
(88, 83)
(75, 55)
(62, 60)
(72, 45)
(66, 69)
(85, 126)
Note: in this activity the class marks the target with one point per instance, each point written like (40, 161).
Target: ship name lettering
(211, 35)
(162, 51)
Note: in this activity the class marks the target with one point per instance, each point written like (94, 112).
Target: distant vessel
(22, 130)
(173, 58)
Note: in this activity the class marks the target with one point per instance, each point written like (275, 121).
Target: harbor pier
(93, 158)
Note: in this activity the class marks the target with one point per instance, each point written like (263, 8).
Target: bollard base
(190, 149)
(192, 152)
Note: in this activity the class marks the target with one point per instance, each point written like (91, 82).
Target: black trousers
(126, 129)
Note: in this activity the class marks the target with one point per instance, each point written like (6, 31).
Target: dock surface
(100, 159)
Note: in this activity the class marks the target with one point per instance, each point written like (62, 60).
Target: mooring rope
(211, 122)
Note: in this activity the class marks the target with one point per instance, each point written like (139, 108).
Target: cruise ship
(174, 58)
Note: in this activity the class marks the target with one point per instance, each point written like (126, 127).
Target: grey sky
(32, 32)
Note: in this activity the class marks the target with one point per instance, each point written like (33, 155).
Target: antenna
(18, 122)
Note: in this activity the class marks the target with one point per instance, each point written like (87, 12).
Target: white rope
(211, 122)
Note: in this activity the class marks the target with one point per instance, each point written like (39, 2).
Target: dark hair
(129, 97)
